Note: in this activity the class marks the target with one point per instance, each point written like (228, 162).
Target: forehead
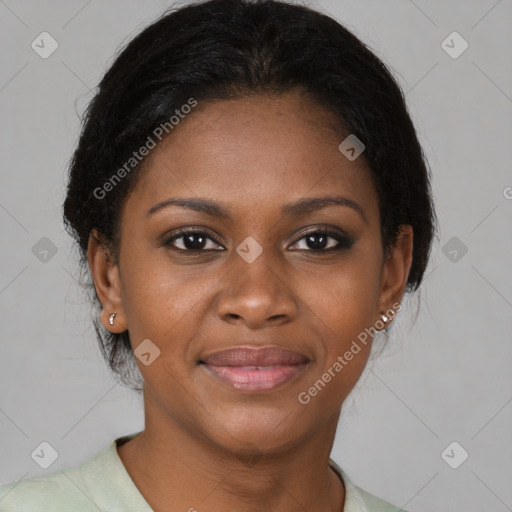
(257, 150)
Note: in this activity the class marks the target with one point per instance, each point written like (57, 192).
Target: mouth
(255, 370)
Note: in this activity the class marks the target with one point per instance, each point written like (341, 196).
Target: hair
(224, 49)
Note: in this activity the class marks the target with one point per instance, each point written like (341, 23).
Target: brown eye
(324, 241)
(192, 241)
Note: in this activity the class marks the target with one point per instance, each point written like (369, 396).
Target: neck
(171, 465)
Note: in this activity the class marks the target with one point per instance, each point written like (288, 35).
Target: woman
(245, 194)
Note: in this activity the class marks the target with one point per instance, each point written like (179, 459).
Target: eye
(324, 241)
(321, 241)
(193, 240)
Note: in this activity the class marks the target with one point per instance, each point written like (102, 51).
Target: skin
(205, 445)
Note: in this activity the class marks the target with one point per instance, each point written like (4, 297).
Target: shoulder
(359, 500)
(374, 504)
(67, 489)
(98, 483)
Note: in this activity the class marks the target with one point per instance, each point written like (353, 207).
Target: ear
(105, 273)
(395, 270)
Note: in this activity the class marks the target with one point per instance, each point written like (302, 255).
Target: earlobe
(105, 274)
(396, 269)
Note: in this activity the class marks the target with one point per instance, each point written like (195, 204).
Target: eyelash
(344, 242)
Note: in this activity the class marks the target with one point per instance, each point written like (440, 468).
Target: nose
(256, 294)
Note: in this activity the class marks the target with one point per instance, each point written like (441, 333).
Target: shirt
(102, 483)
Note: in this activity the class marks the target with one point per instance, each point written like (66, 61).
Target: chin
(271, 430)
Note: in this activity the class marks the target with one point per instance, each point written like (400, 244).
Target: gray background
(444, 377)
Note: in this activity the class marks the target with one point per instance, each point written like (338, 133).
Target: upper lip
(249, 356)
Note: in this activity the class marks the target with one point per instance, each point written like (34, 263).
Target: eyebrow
(300, 207)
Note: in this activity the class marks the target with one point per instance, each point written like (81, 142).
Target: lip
(255, 370)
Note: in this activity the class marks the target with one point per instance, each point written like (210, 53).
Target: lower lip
(255, 380)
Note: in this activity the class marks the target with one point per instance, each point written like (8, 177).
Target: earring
(384, 318)
(111, 318)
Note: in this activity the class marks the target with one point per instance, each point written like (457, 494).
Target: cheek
(342, 316)
(345, 296)
(146, 292)
(162, 301)
(153, 302)
(344, 320)
(344, 311)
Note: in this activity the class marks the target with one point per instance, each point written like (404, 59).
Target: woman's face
(251, 277)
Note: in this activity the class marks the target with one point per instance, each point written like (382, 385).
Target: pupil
(189, 244)
(320, 245)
